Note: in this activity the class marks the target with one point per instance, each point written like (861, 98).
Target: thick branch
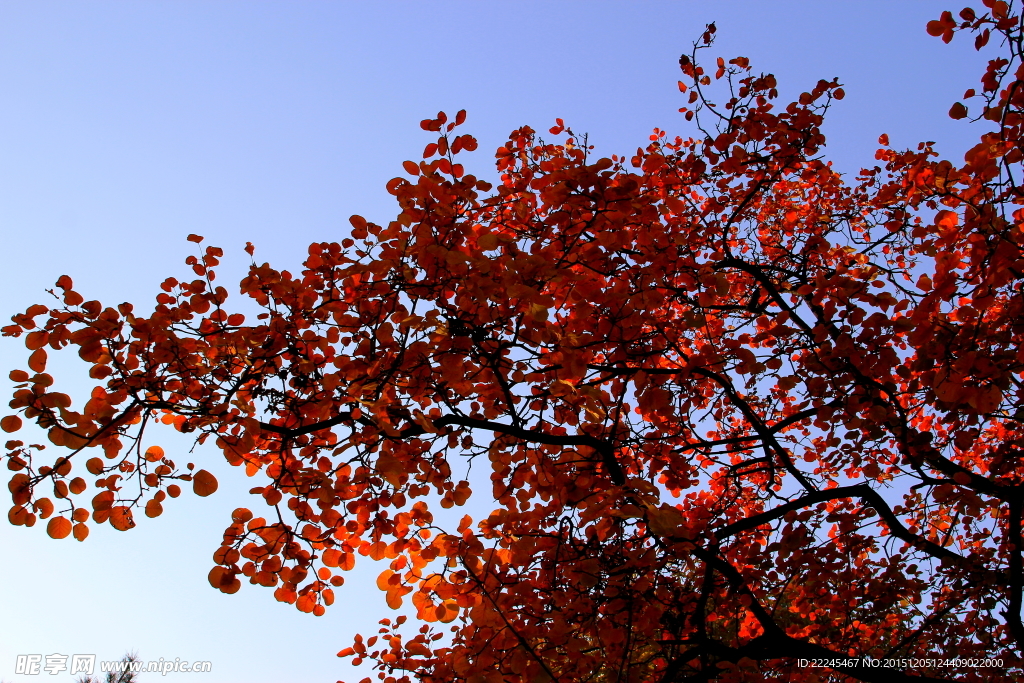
(292, 432)
(876, 502)
(604, 448)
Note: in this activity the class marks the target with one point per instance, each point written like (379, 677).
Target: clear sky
(125, 126)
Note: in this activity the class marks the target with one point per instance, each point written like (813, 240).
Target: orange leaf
(11, 423)
(272, 496)
(348, 561)
(306, 603)
(154, 509)
(59, 527)
(103, 501)
(204, 483)
(17, 515)
(358, 222)
(447, 611)
(37, 361)
(384, 580)
(36, 340)
(241, 515)
(332, 557)
(391, 468)
(226, 555)
(121, 518)
(44, 506)
(217, 575)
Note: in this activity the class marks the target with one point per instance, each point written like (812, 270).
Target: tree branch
(878, 504)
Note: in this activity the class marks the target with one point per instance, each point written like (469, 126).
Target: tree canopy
(738, 410)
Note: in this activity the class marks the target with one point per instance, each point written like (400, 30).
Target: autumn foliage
(737, 409)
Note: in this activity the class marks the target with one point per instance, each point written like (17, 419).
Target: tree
(738, 411)
(126, 674)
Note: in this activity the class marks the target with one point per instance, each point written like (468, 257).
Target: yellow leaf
(391, 468)
(665, 521)
(425, 422)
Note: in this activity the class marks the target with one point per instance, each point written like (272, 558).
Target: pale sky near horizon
(125, 126)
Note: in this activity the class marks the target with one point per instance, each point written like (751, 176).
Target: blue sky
(125, 126)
